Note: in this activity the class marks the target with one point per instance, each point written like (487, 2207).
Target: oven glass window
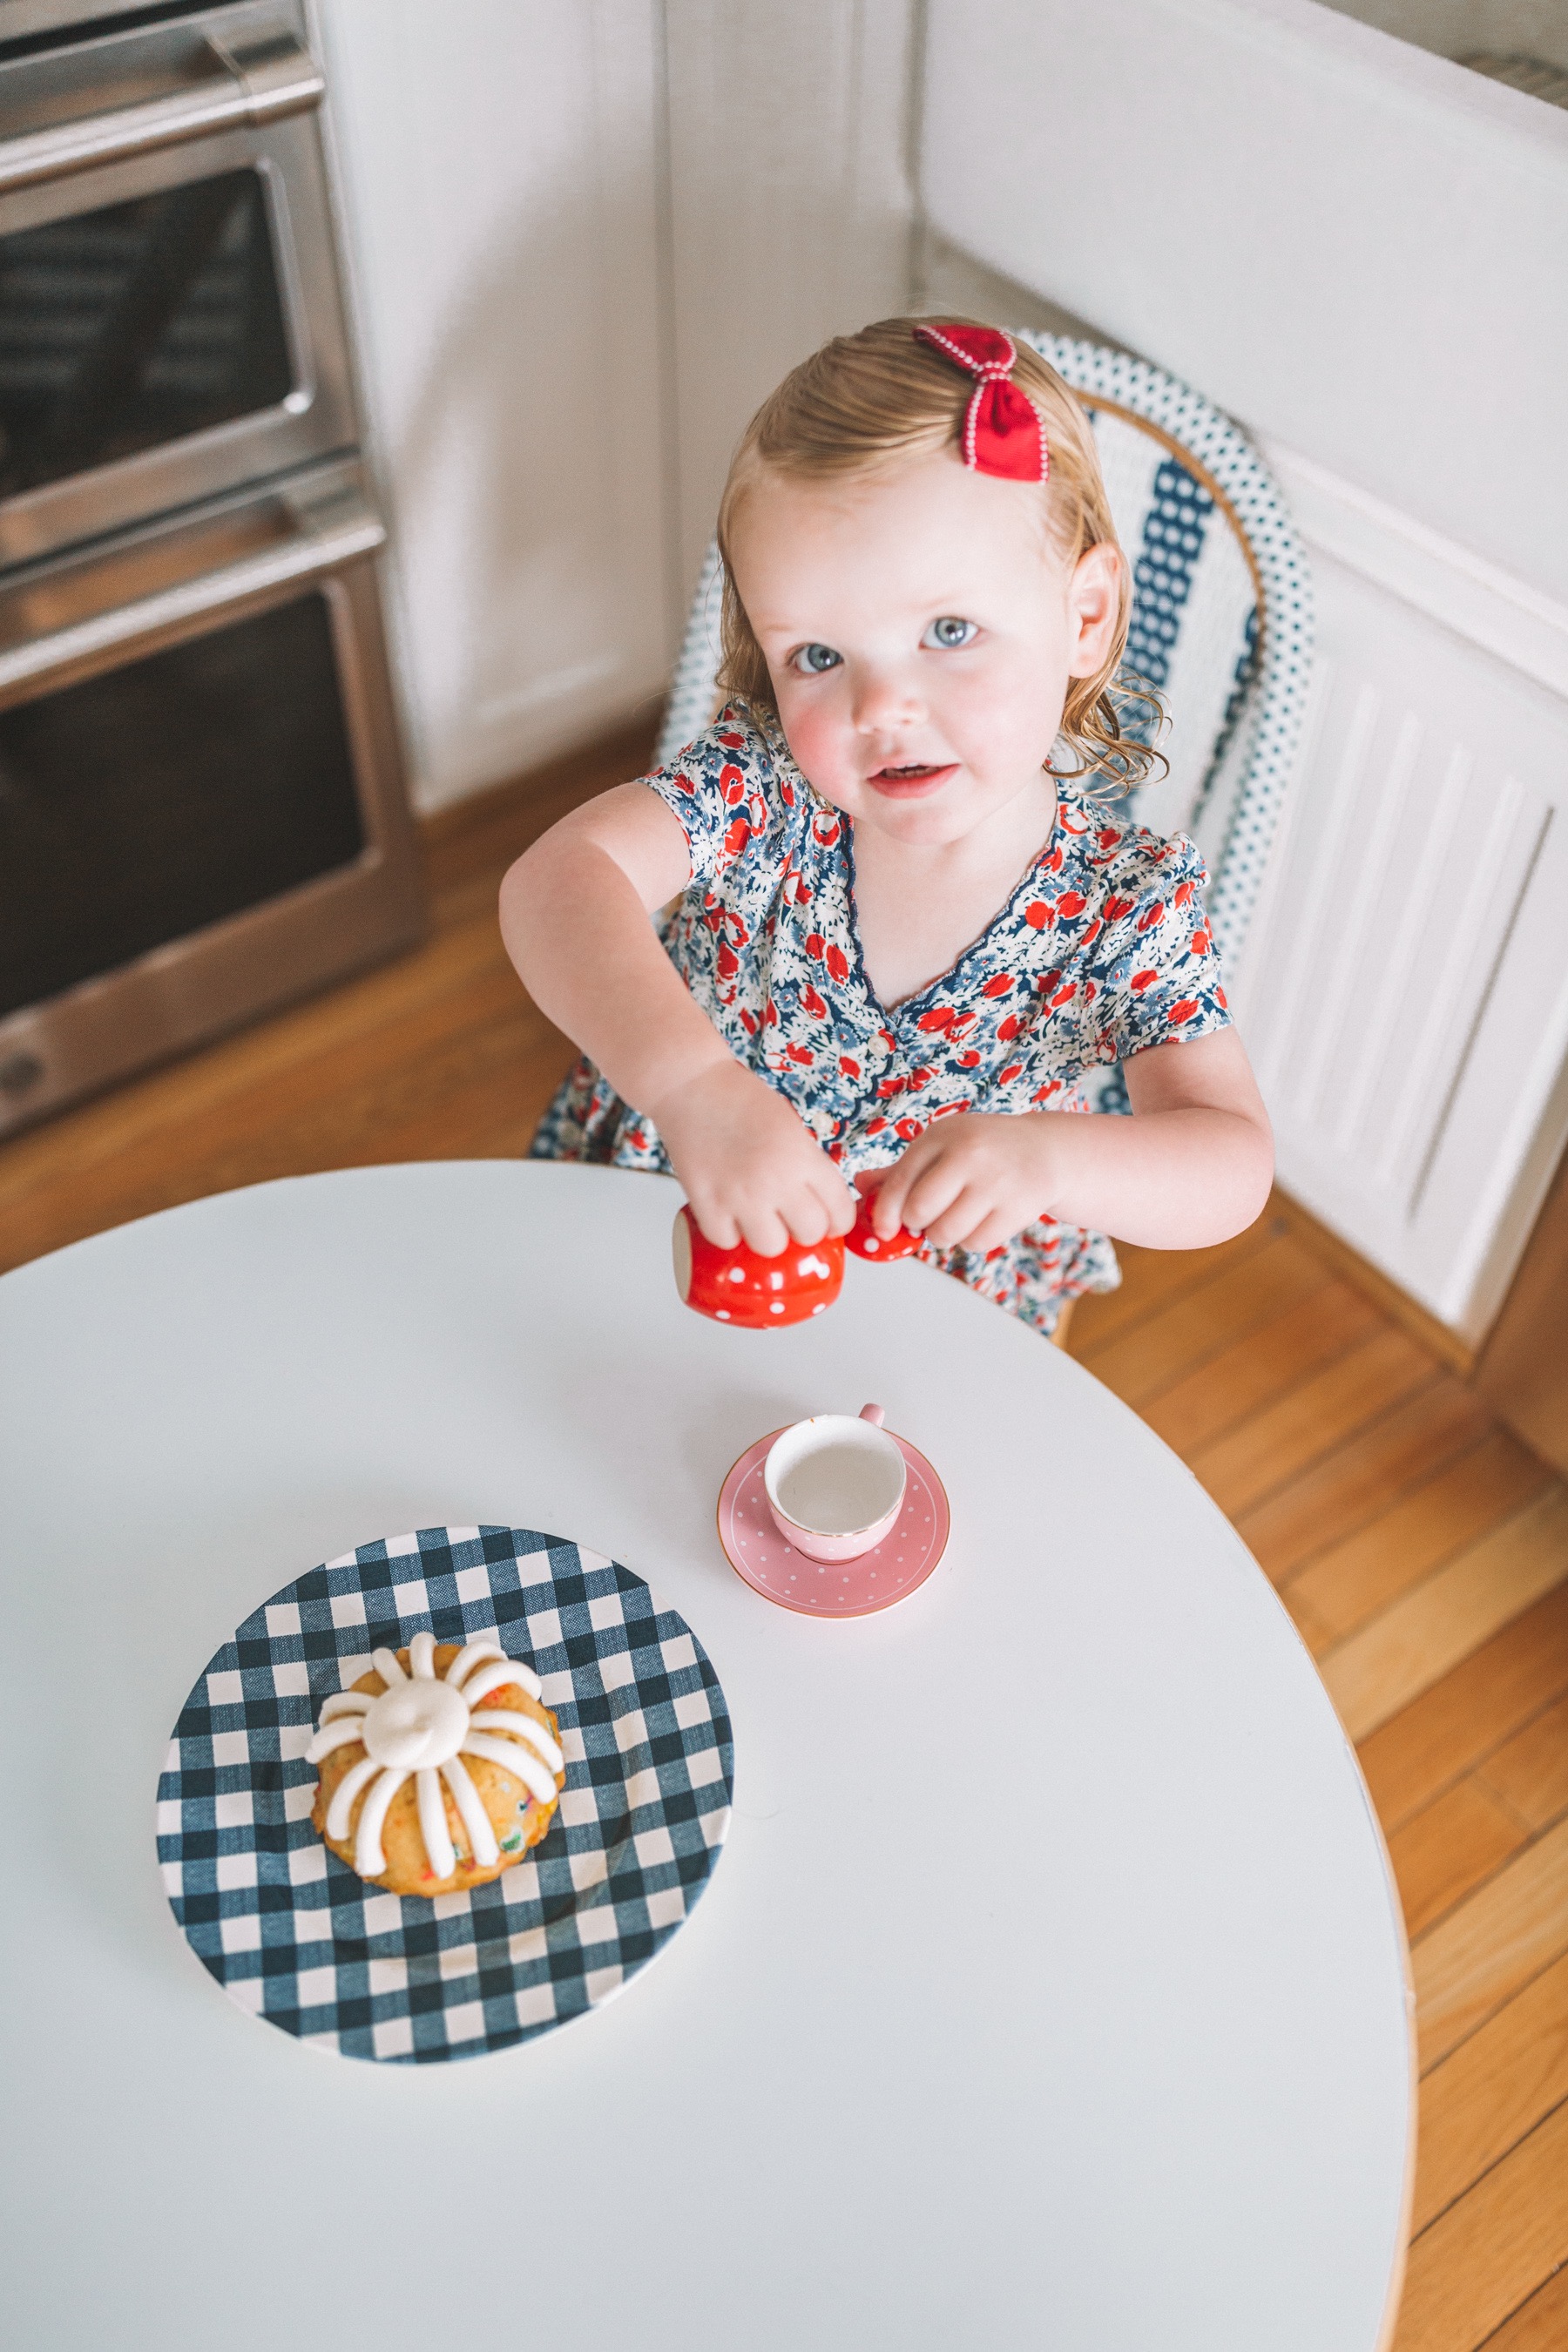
(139, 805)
(134, 325)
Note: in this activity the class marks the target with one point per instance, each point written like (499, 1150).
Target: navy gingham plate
(294, 1937)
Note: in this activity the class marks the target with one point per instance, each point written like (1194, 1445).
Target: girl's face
(920, 631)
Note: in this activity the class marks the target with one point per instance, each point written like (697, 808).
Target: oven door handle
(251, 81)
(323, 538)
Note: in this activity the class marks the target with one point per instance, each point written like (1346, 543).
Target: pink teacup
(835, 1484)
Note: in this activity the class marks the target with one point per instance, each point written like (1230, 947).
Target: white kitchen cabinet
(498, 173)
(1357, 247)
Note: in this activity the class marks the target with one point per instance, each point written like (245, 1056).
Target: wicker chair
(1221, 622)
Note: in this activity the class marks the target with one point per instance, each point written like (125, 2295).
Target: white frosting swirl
(422, 1725)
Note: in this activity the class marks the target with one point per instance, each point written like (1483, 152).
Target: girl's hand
(751, 1169)
(971, 1181)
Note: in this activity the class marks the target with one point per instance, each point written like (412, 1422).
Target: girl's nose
(884, 700)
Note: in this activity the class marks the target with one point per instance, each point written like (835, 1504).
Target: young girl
(901, 934)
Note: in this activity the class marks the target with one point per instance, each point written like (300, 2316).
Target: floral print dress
(1102, 949)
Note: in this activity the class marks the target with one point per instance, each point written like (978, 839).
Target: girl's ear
(1094, 608)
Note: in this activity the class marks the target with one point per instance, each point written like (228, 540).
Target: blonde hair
(867, 399)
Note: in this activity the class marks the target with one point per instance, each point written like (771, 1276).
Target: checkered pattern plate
(294, 1937)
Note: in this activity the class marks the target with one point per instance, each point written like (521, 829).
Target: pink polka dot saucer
(890, 1572)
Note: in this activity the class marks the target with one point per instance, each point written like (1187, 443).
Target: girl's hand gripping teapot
(764, 1294)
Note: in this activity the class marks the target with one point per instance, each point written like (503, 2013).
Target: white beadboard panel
(791, 212)
(1351, 244)
(1402, 993)
(499, 178)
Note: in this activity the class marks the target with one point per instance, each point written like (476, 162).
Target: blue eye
(814, 660)
(949, 632)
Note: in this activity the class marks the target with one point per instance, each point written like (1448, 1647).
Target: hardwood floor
(1421, 1547)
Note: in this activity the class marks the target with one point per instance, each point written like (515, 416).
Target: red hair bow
(1002, 429)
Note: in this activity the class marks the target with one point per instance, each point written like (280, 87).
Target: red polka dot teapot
(766, 1293)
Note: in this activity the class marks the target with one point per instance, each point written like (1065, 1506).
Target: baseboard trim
(1436, 1337)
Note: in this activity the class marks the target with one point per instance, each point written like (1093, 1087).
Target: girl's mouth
(913, 782)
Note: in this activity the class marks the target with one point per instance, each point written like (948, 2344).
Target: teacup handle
(873, 1414)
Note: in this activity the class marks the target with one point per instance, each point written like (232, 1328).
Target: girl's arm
(574, 915)
(1191, 1166)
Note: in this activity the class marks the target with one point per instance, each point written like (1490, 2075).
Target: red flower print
(946, 1110)
(921, 1077)
(1142, 979)
(1046, 980)
(1063, 996)
(1151, 915)
(889, 1040)
(1043, 1094)
(728, 962)
(941, 1016)
(799, 1054)
(732, 784)
(827, 833)
(1107, 837)
(910, 1127)
(1184, 1011)
(1116, 907)
(962, 1026)
(850, 1068)
(682, 783)
(732, 742)
(1053, 863)
(814, 1003)
(875, 1125)
(1091, 934)
(786, 790)
(837, 963)
(815, 945)
(1038, 914)
(735, 840)
(1004, 1077)
(886, 1087)
(969, 1061)
(1219, 998)
(1198, 944)
(1071, 903)
(999, 983)
(1008, 1029)
(770, 1014)
(748, 1022)
(1184, 892)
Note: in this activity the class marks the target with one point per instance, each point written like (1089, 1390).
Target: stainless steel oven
(171, 321)
(201, 803)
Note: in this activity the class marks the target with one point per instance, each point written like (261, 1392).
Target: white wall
(791, 206)
(1350, 244)
(498, 182)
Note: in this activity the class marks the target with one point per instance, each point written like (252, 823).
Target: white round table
(1050, 1988)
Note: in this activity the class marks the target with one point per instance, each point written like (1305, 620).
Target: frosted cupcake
(439, 1768)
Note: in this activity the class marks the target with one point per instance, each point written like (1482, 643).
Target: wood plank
(1495, 2088)
(1469, 1712)
(1481, 2259)
(1143, 1361)
(1359, 1479)
(1482, 1954)
(1382, 1668)
(1455, 1507)
(1234, 1387)
(1458, 1841)
(1529, 1771)
(1329, 1406)
(1152, 1278)
(1539, 2326)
